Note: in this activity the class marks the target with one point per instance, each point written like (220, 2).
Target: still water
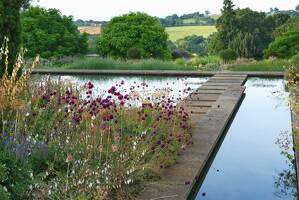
(175, 88)
(254, 161)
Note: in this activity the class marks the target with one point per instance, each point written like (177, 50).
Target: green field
(180, 32)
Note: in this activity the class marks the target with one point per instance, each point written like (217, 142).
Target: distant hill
(191, 19)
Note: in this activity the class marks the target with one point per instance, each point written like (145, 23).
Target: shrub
(180, 53)
(228, 55)
(194, 44)
(284, 46)
(133, 53)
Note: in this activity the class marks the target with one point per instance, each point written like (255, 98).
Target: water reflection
(285, 181)
(250, 160)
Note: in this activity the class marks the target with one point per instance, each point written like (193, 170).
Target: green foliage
(188, 19)
(292, 25)
(194, 44)
(278, 19)
(14, 173)
(133, 53)
(206, 63)
(215, 44)
(245, 31)
(228, 55)
(111, 64)
(51, 34)
(263, 65)
(137, 30)
(180, 53)
(10, 27)
(284, 46)
(295, 59)
(226, 23)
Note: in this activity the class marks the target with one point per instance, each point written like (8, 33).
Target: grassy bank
(264, 65)
(96, 63)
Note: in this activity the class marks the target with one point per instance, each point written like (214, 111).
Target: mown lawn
(180, 32)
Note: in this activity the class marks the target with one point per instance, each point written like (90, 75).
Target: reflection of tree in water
(285, 182)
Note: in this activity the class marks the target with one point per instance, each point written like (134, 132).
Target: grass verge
(264, 65)
(151, 64)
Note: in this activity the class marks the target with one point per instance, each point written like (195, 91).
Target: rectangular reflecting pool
(175, 88)
(255, 160)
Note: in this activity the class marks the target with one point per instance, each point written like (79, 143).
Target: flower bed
(61, 141)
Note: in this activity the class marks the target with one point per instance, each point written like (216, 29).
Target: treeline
(195, 18)
(251, 34)
(188, 19)
(80, 22)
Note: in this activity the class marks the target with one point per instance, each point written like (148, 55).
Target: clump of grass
(264, 65)
(110, 64)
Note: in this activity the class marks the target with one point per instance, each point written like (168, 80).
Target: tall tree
(10, 28)
(226, 23)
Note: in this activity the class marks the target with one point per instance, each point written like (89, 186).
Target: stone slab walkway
(211, 108)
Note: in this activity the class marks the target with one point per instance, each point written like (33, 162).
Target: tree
(138, 30)
(215, 44)
(194, 44)
(228, 55)
(297, 8)
(226, 23)
(51, 34)
(284, 46)
(277, 19)
(207, 12)
(292, 25)
(10, 28)
(253, 33)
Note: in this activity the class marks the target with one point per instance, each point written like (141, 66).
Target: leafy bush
(194, 44)
(134, 30)
(180, 53)
(228, 55)
(284, 46)
(51, 34)
(133, 53)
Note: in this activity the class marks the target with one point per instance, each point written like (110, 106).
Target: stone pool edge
(152, 73)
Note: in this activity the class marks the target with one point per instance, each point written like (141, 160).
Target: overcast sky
(105, 9)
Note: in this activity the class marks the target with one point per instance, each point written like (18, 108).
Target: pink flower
(69, 158)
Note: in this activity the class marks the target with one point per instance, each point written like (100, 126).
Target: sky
(101, 10)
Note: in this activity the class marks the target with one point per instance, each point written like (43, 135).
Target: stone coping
(152, 73)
